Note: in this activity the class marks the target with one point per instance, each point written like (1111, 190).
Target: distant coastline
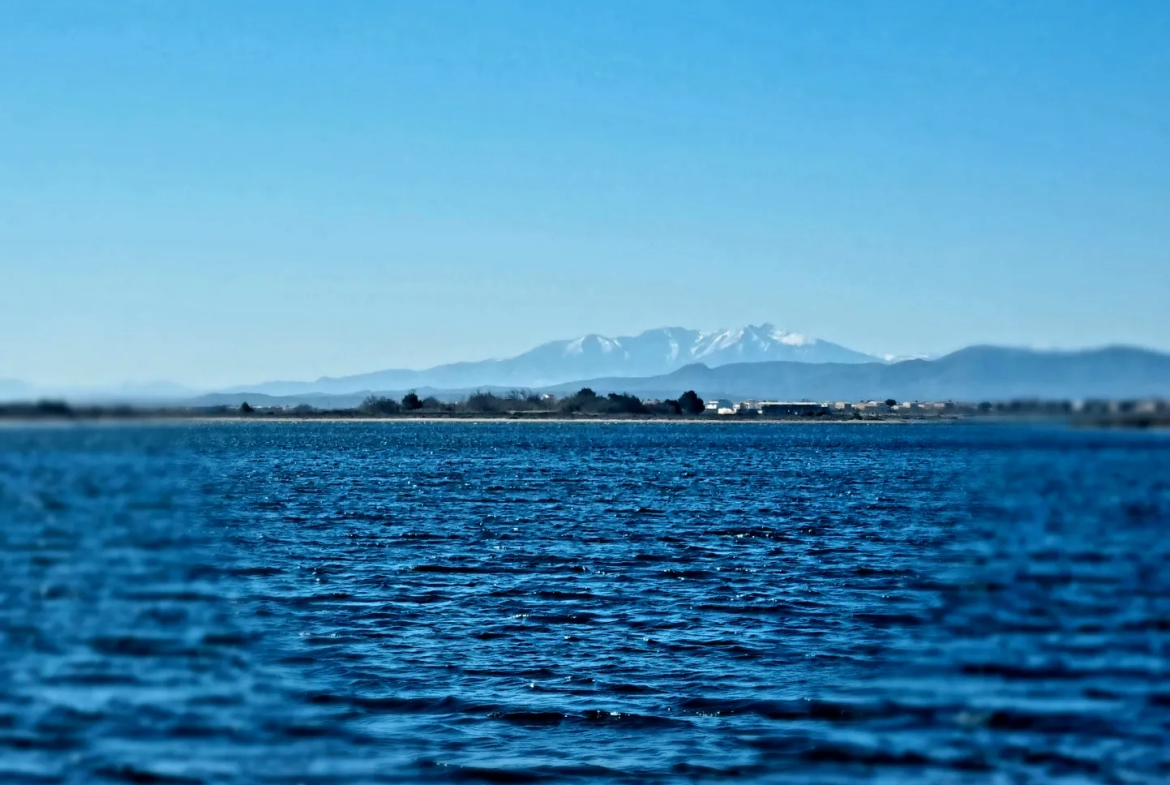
(608, 410)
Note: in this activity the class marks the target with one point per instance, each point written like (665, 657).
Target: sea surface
(522, 602)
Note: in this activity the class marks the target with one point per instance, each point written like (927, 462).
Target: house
(713, 406)
(747, 407)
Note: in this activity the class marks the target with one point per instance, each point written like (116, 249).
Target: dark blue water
(350, 603)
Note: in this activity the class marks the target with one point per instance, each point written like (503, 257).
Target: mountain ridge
(972, 374)
(651, 352)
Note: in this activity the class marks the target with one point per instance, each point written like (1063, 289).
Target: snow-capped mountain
(669, 348)
(650, 353)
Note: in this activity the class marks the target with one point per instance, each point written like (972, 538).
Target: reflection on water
(314, 602)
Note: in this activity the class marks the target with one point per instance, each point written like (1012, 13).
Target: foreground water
(519, 602)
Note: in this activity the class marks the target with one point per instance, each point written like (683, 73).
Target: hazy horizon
(244, 383)
(225, 193)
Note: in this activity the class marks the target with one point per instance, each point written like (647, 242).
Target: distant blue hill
(973, 374)
(350, 400)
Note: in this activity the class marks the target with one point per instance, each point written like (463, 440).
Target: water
(347, 603)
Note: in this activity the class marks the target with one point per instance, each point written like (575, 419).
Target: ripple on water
(396, 602)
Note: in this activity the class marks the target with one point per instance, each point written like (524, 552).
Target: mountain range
(972, 374)
(650, 353)
(750, 362)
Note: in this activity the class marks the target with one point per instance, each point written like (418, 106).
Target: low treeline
(584, 401)
(479, 404)
(58, 410)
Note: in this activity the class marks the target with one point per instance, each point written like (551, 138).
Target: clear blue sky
(215, 192)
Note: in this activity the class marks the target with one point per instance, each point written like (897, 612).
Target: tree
(54, 408)
(245, 408)
(669, 406)
(891, 402)
(434, 404)
(624, 404)
(584, 400)
(481, 402)
(690, 403)
(379, 406)
(411, 401)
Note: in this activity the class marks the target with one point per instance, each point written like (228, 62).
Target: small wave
(455, 569)
(529, 717)
(140, 776)
(780, 710)
(695, 575)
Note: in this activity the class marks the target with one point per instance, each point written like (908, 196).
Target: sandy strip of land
(470, 420)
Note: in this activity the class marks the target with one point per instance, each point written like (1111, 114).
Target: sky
(224, 192)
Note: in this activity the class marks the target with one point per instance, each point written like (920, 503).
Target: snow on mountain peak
(577, 346)
(768, 333)
(667, 348)
(792, 339)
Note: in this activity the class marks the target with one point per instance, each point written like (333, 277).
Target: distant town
(587, 404)
(928, 409)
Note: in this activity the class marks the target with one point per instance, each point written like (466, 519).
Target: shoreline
(586, 420)
(166, 419)
(481, 420)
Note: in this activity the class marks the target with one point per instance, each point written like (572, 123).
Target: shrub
(379, 406)
(664, 407)
(54, 409)
(584, 400)
(690, 403)
(623, 404)
(411, 401)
